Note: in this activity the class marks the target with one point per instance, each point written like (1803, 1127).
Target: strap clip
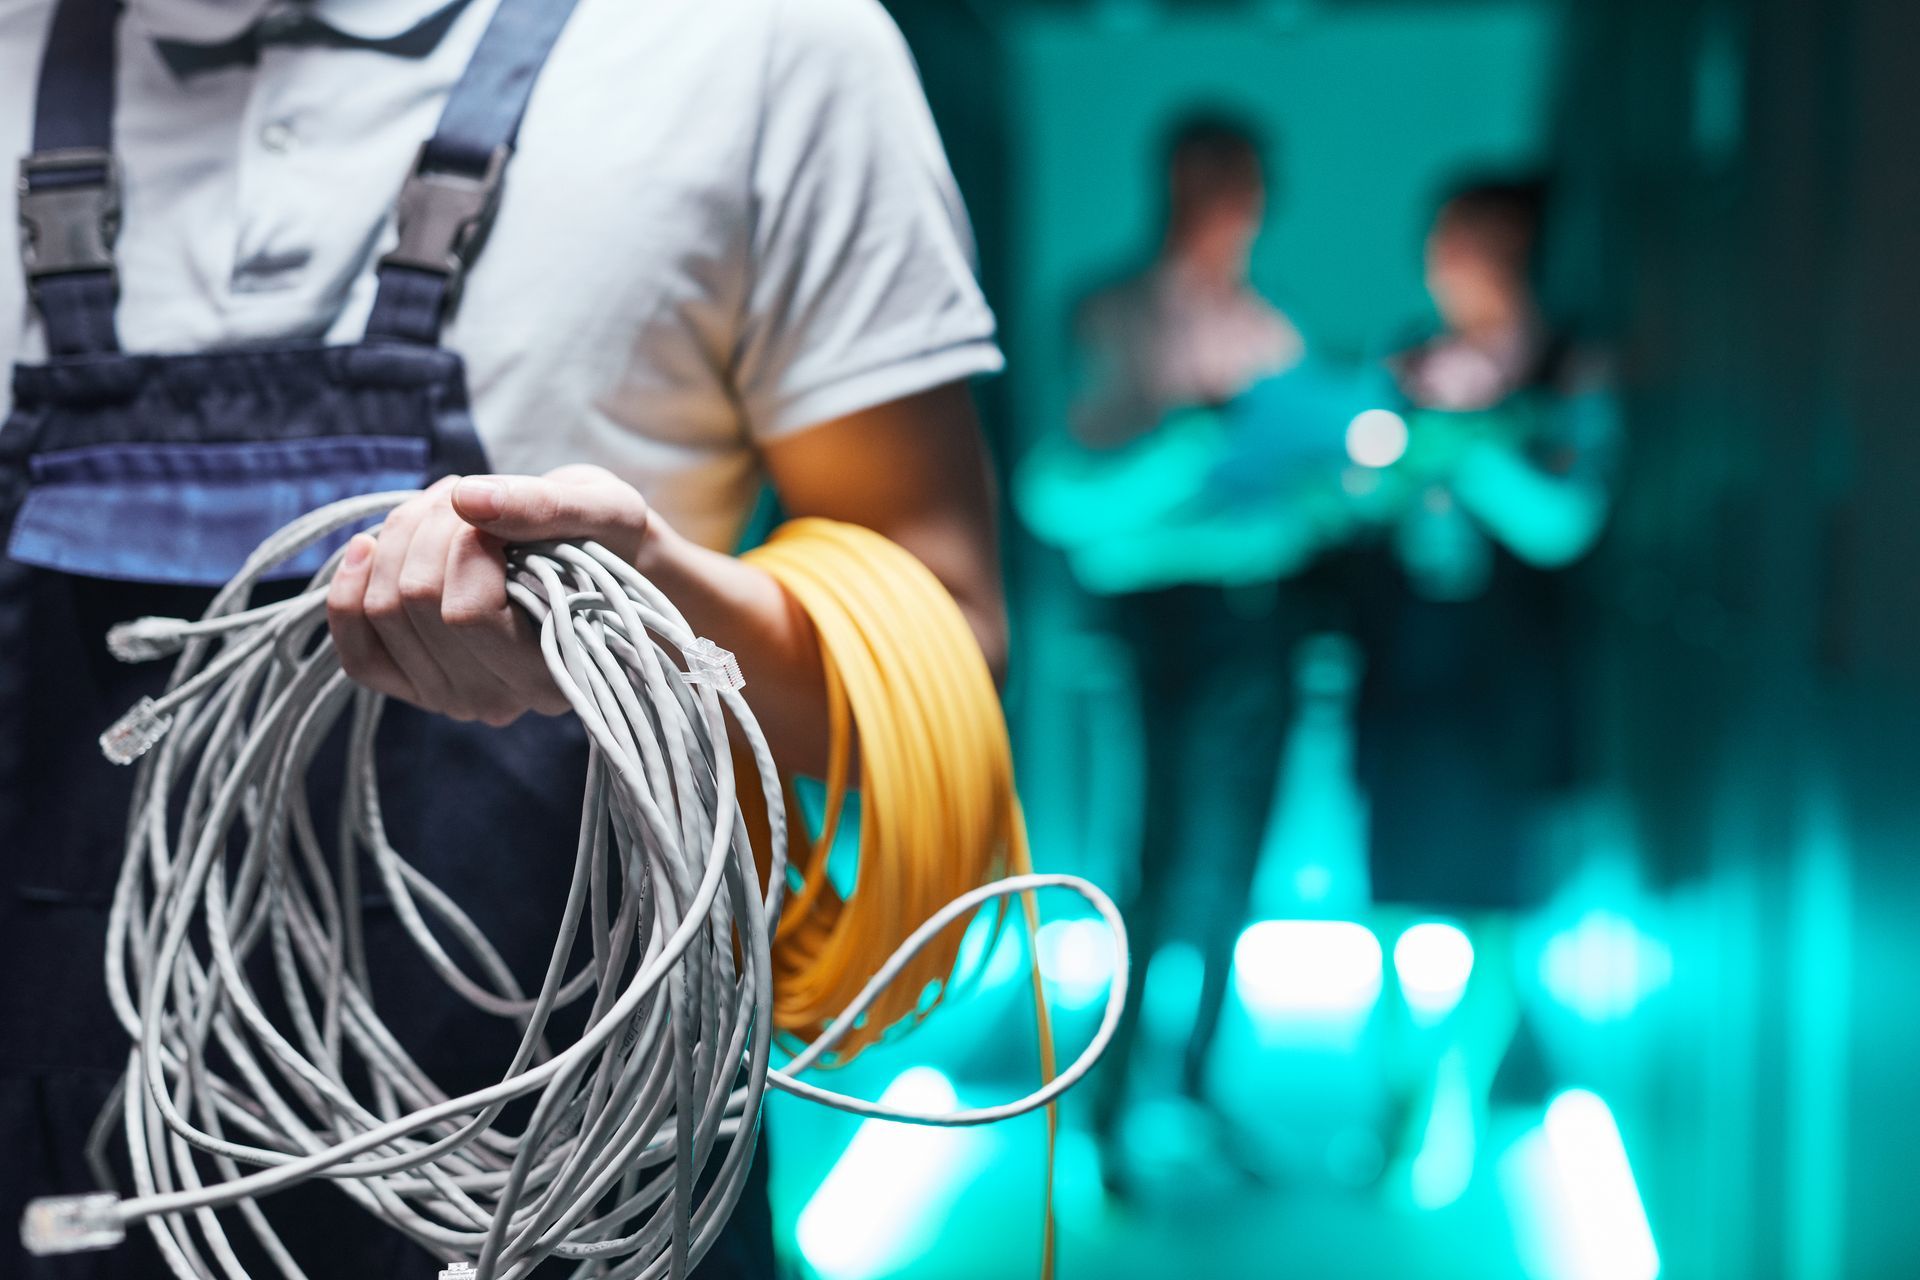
(443, 217)
(69, 211)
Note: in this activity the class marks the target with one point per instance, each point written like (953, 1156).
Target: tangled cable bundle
(635, 1137)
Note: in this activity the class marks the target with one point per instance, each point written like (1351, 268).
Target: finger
(495, 639)
(387, 610)
(577, 505)
(362, 655)
(471, 688)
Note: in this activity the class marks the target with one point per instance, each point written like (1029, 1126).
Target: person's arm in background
(1112, 404)
(1125, 462)
(1547, 512)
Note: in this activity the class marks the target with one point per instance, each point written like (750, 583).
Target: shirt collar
(378, 19)
(215, 21)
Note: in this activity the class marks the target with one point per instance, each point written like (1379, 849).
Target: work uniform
(715, 223)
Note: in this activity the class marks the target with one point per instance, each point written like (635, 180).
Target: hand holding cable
(665, 887)
(421, 612)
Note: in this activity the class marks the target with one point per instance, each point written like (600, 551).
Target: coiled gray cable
(616, 1167)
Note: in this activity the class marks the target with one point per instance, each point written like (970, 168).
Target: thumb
(534, 509)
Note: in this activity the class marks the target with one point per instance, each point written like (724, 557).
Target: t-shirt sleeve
(863, 288)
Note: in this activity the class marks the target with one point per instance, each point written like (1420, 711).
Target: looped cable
(636, 1147)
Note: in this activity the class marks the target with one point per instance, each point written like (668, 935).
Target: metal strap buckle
(442, 217)
(69, 211)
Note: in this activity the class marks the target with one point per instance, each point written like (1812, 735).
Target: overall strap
(449, 198)
(69, 185)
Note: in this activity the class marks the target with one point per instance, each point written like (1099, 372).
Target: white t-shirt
(727, 220)
(1163, 341)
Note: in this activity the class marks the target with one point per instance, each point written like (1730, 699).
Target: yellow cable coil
(907, 683)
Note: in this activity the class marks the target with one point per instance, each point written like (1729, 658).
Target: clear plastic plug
(71, 1224)
(144, 639)
(135, 733)
(708, 663)
(458, 1271)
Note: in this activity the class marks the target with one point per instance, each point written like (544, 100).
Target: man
(1191, 332)
(1467, 719)
(717, 247)
(1465, 725)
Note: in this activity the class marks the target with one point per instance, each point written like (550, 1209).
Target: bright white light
(1608, 1222)
(1603, 967)
(1076, 959)
(1377, 438)
(890, 1188)
(1318, 967)
(1434, 961)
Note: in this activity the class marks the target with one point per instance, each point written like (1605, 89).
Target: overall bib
(136, 484)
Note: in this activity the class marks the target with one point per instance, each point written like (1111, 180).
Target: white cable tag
(457, 1271)
(135, 733)
(708, 663)
(70, 1224)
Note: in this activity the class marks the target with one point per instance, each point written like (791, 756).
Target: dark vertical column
(1871, 635)
(1762, 640)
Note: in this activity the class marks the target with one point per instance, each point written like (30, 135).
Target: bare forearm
(422, 613)
(1547, 520)
(742, 608)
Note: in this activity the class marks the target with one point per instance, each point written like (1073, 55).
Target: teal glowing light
(890, 1188)
(1433, 961)
(1172, 989)
(1603, 966)
(1310, 968)
(1442, 1169)
(1076, 959)
(1605, 1218)
(1006, 962)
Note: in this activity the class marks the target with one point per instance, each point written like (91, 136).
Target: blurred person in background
(1507, 475)
(1465, 725)
(1190, 332)
(1434, 531)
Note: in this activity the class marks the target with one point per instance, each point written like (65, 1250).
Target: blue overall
(134, 485)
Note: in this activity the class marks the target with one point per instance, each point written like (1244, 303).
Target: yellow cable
(906, 683)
